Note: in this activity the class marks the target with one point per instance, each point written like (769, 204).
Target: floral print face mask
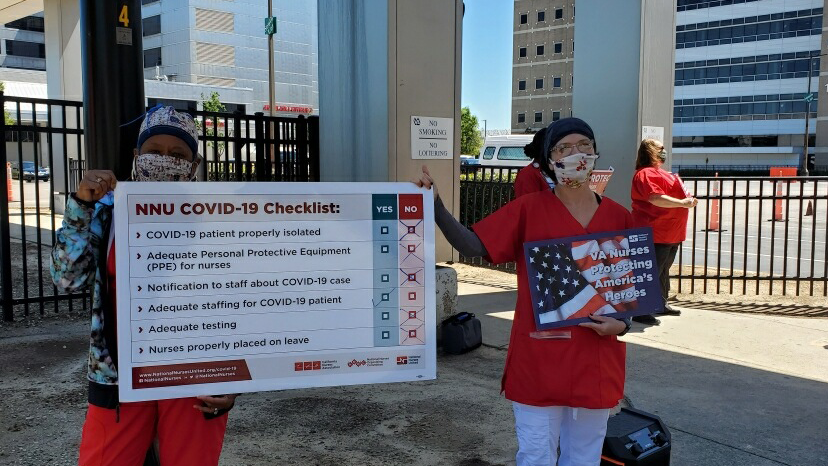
(159, 167)
(574, 170)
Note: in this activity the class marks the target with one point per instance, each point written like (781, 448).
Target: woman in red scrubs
(561, 388)
(660, 200)
(537, 176)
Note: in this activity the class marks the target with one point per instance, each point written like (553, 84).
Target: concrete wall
(380, 63)
(626, 80)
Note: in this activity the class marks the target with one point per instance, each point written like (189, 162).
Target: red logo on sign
(357, 363)
(402, 360)
(317, 365)
(298, 366)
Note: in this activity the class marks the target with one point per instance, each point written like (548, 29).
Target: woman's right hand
(95, 184)
(425, 181)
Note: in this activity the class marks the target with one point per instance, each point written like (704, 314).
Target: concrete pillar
(63, 81)
(382, 62)
(624, 79)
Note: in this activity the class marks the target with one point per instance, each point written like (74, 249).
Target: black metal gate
(44, 140)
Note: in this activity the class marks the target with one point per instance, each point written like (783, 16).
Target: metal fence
(748, 235)
(45, 133)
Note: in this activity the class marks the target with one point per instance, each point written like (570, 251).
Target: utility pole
(113, 82)
(808, 99)
(270, 61)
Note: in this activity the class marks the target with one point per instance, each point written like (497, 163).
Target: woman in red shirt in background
(660, 200)
(536, 176)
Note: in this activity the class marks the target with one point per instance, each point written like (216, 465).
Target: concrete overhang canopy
(11, 10)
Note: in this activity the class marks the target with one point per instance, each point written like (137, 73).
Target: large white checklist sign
(241, 287)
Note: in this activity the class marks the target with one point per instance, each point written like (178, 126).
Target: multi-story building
(747, 74)
(542, 57)
(222, 43)
(23, 44)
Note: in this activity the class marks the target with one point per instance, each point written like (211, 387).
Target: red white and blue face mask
(574, 170)
(159, 167)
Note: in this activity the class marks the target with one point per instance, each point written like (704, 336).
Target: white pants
(581, 433)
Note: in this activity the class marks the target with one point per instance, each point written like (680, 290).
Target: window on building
(147, 2)
(559, 48)
(152, 57)
(541, 16)
(556, 116)
(19, 48)
(521, 119)
(524, 18)
(540, 50)
(522, 85)
(29, 23)
(559, 13)
(539, 83)
(152, 25)
(538, 117)
(522, 52)
(556, 82)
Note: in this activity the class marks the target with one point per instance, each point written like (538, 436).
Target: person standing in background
(661, 201)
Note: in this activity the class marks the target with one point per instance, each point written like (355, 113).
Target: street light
(808, 99)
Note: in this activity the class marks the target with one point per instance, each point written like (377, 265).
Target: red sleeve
(500, 232)
(649, 182)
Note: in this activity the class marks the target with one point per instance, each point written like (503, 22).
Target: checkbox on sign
(412, 295)
(385, 297)
(383, 230)
(412, 277)
(412, 334)
(385, 277)
(412, 229)
(386, 316)
(386, 335)
(412, 314)
(384, 248)
(412, 248)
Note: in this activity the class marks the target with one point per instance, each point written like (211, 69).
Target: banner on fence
(241, 287)
(612, 273)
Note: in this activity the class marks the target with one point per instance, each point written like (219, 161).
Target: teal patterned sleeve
(74, 255)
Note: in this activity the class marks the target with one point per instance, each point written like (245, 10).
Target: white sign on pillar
(653, 132)
(432, 138)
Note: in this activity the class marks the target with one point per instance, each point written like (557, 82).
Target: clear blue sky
(487, 61)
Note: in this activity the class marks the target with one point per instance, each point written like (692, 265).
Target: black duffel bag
(461, 333)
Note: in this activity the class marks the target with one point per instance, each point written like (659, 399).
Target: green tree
(9, 119)
(213, 104)
(470, 140)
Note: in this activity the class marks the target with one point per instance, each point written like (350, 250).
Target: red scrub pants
(185, 437)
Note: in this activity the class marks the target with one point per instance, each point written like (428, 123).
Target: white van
(505, 151)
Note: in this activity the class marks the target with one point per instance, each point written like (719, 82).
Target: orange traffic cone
(713, 224)
(777, 205)
(9, 182)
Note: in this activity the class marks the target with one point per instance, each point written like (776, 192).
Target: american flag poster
(604, 273)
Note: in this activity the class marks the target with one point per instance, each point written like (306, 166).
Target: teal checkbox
(384, 248)
(385, 277)
(385, 297)
(383, 230)
(386, 335)
(386, 316)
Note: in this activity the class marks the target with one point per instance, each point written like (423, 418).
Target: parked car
(469, 160)
(29, 171)
(505, 151)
